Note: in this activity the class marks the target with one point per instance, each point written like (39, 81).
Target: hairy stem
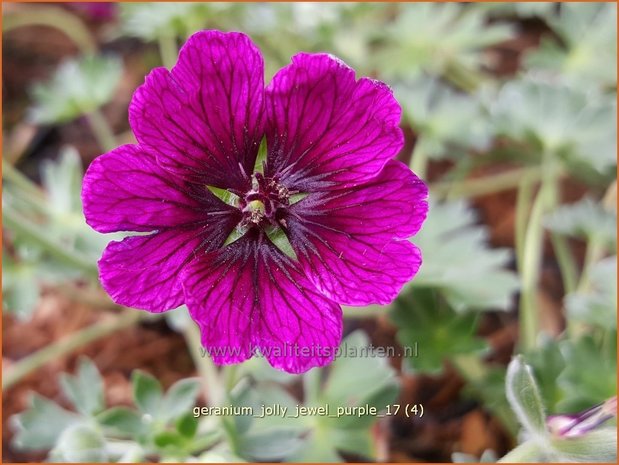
(67, 345)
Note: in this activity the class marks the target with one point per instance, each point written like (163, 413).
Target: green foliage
(458, 262)
(435, 38)
(147, 393)
(20, 283)
(590, 375)
(586, 219)
(375, 385)
(587, 48)
(524, 398)
(163, 424)
(40, 426)
(560, 122)
(37, 258)
(598, 445)
(85, 389)
(448, 124)
(547, 362)
(80, 444)
(151, 21)
(313, 436)
(439, 332)
(598, 305)
(77, 87)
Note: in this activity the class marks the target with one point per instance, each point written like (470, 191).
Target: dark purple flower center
(265, 203)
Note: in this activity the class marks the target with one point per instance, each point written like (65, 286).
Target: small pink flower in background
(329, 190)
(95, 11)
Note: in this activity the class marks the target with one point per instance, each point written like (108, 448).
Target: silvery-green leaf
(179, 399)
(429, 36)
(525, 399)
(587, 51)
(40, 426)
(598, 305)
(446, 123)
(152, 20)
(147, 392)
(270, 445)
(459, 262)
(595, 446)
(77, 87)
(559, 119)
(85, 389)
(375, 384)
(20, 286)
(586, 219)
(80, 443)
(121, 421)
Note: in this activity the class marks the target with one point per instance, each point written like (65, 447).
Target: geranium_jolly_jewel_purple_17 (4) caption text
(263, 209)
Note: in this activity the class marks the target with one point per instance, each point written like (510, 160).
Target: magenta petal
(358, 272)
(348, 241)
(324, 127)
(143, 271)
(125, 190)
(392, 204)
(250, 296)
(205, 118)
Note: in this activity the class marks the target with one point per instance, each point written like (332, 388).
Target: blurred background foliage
(509, 111)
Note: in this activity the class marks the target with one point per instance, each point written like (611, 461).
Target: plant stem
(523, 206)
(530, 254)
(57, 18)
(311, 386)
(214, 388)
(168, 49)
(31, 231)
(67, 345)
(567, 264)
(595, 252)
(490, 184)
(101, 130)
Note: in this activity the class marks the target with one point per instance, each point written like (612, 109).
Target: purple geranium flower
(262, 257)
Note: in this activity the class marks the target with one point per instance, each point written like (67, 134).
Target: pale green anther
(224, 195)
(256, 206)
(280, 240)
